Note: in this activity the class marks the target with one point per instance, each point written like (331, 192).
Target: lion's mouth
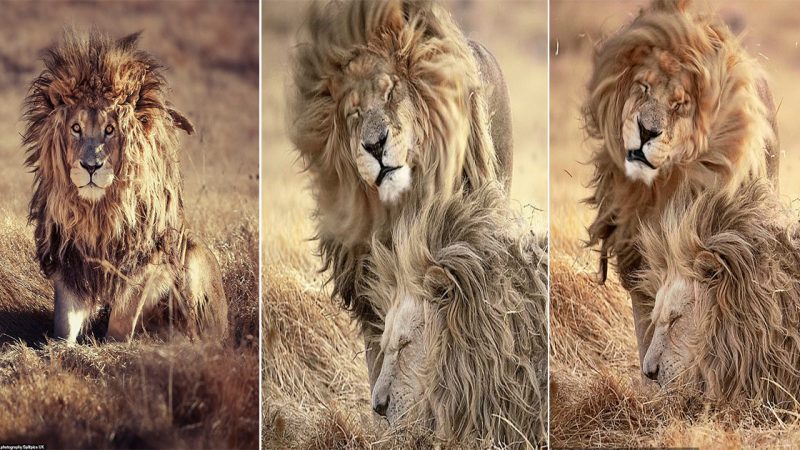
(385, 170)
(639, 156)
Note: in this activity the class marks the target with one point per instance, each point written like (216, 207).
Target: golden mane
(733, 132)
(743, 255)
(142, 213)
(431, 55)
(484, 277)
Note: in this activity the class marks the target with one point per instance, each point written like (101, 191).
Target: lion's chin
(637, 171)
(394, 185)
(91, 193)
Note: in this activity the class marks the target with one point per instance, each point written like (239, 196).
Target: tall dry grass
(146, 394)
(315, 380)
(598, 398)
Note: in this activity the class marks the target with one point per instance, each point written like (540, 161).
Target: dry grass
(598, 398)
(315, 379)
(145, 394)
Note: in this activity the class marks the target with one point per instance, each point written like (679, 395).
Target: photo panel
(405, 224)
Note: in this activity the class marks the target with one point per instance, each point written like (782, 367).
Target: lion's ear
(59, 90)
(129, 80)
(438, 282)
(709, 265)
(636, 54)
(128, 42)
(333, 88)
(671, 5)
(180, 121)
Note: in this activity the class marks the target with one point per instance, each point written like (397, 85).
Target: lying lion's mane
(743, 255)
(485, 374)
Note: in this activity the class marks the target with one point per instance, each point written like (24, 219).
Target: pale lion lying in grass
(724, 273)
(463, 295)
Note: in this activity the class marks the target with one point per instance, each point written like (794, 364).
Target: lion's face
(398, 387)
(378, 117)
(93, 150)
(657, 117)
(669, 354)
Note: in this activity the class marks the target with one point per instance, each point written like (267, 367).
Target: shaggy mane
(141, 214)
(733, 129)
(427, 51)
(743, 255)
(485, 278)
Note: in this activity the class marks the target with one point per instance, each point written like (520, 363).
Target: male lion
(677, 104)
(463, 291)
(724, 273)
(108, 201)
(392, 105)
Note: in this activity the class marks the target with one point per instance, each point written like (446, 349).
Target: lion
(677, 104)
(461, 293)
(391, 105)
(108, 203)
(724, 271)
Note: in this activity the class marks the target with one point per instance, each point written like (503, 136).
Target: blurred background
(146, 394)
(594, 367)
(315, 377)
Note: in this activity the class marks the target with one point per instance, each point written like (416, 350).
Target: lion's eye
(673, 319)
(402, 343)
(355, 114)
(76, 128)
(645, 87)
(109, 130)
(390, 93)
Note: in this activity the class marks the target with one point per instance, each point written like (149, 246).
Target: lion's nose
(646, 135)
(92, 168)
(375, 148)
(380, 404)
(651, 371)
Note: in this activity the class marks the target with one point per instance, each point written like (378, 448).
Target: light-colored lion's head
(669, 353)
(387, 108)
(672, 89)
(724, 272)
(399, 388)
(462, 295)
(102, 143)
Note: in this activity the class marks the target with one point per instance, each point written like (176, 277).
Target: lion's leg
(207, 304)
(124, 316)
(642, 307)
(136, 302)
(71, 312)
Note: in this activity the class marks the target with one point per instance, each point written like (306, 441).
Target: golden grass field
(145, 394)
(597, 397)
(315, 380)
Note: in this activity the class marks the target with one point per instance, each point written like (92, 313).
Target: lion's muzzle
(92, 172)
(639, 156)
(641, 137)
(381, 158)
(377, 149)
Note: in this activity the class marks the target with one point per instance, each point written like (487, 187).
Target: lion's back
(498, 104)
